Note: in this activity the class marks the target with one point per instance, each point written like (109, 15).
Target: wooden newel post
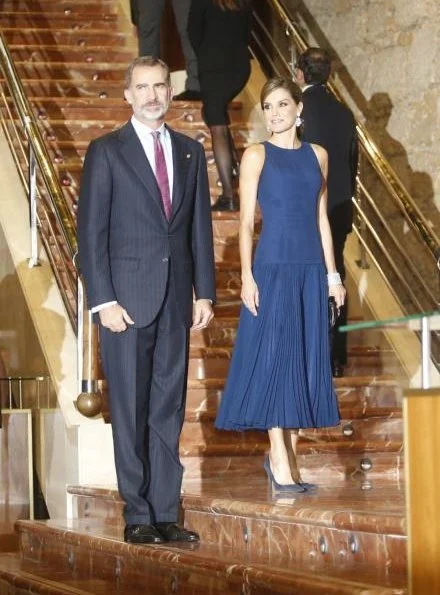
(421, 410)
(422, 466)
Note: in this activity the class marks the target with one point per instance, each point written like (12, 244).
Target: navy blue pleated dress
(280, 373)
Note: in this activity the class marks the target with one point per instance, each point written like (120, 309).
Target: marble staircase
(350, 535)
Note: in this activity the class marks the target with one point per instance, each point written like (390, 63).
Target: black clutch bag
(333, 312)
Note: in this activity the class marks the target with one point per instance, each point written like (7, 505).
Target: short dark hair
(316, 66)
(280, 82)
(149, 62)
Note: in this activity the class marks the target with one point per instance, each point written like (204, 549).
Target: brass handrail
(89, 401)
(386, 173)
(64, 217)
(17, 401)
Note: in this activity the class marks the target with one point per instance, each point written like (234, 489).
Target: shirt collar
(143, 130)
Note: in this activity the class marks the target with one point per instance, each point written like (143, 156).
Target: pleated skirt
(280, 373)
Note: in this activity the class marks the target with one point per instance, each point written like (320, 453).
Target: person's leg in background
(339, 340)
(192, 84)
(224, 162)
(149, 15)
(134, 12)
(218, 91)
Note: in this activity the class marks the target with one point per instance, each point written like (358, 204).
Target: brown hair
(232, 4)
(149, 62)
(280, 82)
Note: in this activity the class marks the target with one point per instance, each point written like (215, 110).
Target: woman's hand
(249, 294)
(338, 292)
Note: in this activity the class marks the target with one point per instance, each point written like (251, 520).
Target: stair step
(217, 367)
(202, 406)
(250, 518)
(355, 352)
(97, 547)
(354, 402)
(72, 72)
(85, 39)
(30, 576)
(214, 362)
(80, 7)
(222, 332)
(74, 22)
(352, 382)
(110, 112)
(78, 134)
(367, 468)
(63, 96)
(376, 426)
(333, 516)
(70, 90)
(68, 54)
(203, 439)
(73, 167)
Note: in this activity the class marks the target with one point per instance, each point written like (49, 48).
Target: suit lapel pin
(188, 155)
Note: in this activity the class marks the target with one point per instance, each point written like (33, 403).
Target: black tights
(225, 156)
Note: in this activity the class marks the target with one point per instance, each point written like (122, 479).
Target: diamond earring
(298, 121)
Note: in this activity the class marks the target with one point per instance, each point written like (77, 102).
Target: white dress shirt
(144, 134)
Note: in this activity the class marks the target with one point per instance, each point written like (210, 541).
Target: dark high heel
(290, 487)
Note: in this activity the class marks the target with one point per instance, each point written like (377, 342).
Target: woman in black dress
(219, 33)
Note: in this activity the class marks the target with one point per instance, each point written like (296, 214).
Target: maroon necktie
(162, 174)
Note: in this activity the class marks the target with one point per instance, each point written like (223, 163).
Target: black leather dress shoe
(225, 203)
(338, 370)
(188, 95)
(142, 534)
(172, 532)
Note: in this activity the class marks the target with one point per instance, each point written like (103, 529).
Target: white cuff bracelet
(334, 279)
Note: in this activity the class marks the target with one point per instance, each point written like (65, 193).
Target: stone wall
(388, 60)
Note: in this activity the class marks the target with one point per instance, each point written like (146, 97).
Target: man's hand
(202, 314)
(115, 318)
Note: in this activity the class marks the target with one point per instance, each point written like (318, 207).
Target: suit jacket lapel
(182, 156)
(134, 154)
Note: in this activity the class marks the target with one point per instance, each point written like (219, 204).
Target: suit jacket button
(165, 259)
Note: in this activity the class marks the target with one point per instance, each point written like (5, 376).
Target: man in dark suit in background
(145, 245)
(330, 124)
(147, 15)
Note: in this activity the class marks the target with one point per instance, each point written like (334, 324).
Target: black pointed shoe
(172, 532)
(142, 534)
(225, 203)
(338, 370)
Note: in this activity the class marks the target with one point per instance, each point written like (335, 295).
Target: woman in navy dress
(280, 377)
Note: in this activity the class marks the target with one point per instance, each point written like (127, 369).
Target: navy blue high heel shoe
(310, 487)
(290, 487)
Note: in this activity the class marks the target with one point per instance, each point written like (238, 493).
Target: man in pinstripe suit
(145, 245)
